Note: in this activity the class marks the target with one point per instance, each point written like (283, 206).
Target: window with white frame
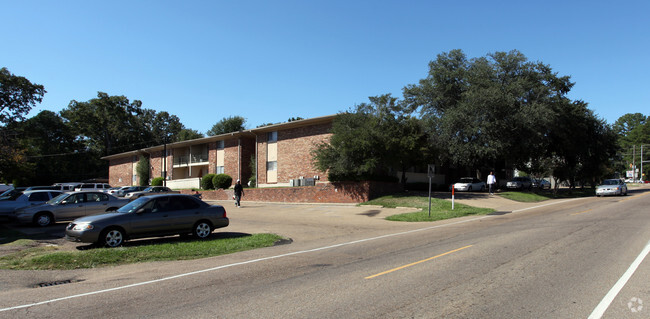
(272, 166)
(220, 170)
(220, 145)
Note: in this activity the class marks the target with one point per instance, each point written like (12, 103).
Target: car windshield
(466, 180)
(11, 194)
(58, 199)
(149, 189)
(134, 205)
(610, 182)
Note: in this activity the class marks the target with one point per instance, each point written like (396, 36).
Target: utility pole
(634, 163)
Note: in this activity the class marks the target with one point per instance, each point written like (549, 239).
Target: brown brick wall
(231, 157)
(119, 171)
(294, 151)
(345, 192)
(247, 151)
(261, 158)
(155, 164)
(212, 158)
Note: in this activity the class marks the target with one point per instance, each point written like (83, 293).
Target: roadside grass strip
(440, 209)
(417, 262)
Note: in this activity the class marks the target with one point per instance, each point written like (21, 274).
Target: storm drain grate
(54, 283)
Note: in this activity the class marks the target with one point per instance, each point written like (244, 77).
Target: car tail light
(224, 212)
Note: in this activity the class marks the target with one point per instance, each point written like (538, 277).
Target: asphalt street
(555, 259)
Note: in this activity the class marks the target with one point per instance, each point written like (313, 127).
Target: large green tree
(188, 134)
(17, 97)
(488, 109)
(53, 151)
(372, 141)
(163, 127)
(108, 124)
(633, 130)
(227, 125)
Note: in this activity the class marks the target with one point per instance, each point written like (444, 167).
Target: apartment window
(272, 166)
(272, 137)
(220, 170)
(220, 145)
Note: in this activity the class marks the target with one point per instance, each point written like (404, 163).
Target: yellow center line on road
(582, 212)
(417, 262)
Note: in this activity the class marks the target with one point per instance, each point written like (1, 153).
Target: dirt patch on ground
(60, 244)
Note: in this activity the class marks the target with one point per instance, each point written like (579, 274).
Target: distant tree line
(67, 146)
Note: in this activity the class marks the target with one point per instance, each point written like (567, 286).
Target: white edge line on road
(239, 264)
(609, 297)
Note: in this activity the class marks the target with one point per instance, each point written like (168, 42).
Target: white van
(102, 187)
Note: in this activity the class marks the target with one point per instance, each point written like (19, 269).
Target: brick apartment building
(282, 154)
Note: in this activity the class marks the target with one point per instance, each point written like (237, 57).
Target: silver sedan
(68, 206)
(611, 187)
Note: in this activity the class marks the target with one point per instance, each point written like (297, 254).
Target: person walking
(239, 192)
(491, 181)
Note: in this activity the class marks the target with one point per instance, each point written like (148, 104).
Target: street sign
(431, 170)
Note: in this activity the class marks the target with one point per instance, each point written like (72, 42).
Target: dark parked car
(68, 206)
(157, 215)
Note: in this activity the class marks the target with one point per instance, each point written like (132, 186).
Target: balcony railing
(185, 160)
(199, 158)
(181, 160)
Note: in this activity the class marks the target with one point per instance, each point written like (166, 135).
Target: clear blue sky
(271, 60)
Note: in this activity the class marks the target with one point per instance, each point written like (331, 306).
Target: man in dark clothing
(239, 192)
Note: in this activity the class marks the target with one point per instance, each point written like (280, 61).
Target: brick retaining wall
(340, 192)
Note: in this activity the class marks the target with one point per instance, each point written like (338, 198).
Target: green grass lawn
(539, 196)
(39, 258)
(440, 209)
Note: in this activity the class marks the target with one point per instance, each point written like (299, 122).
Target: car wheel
(202, 229)
(112, 237)
(482, 188)
(43, 219)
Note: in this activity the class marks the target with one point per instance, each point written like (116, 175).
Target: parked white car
(468, 184)
(92, 187)
(611, 187)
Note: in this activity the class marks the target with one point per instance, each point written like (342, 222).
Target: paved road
(554, 261)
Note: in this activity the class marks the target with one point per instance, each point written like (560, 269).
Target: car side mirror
(64, 202)
(142, 211)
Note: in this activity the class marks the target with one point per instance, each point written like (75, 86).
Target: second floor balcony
(192, 159)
